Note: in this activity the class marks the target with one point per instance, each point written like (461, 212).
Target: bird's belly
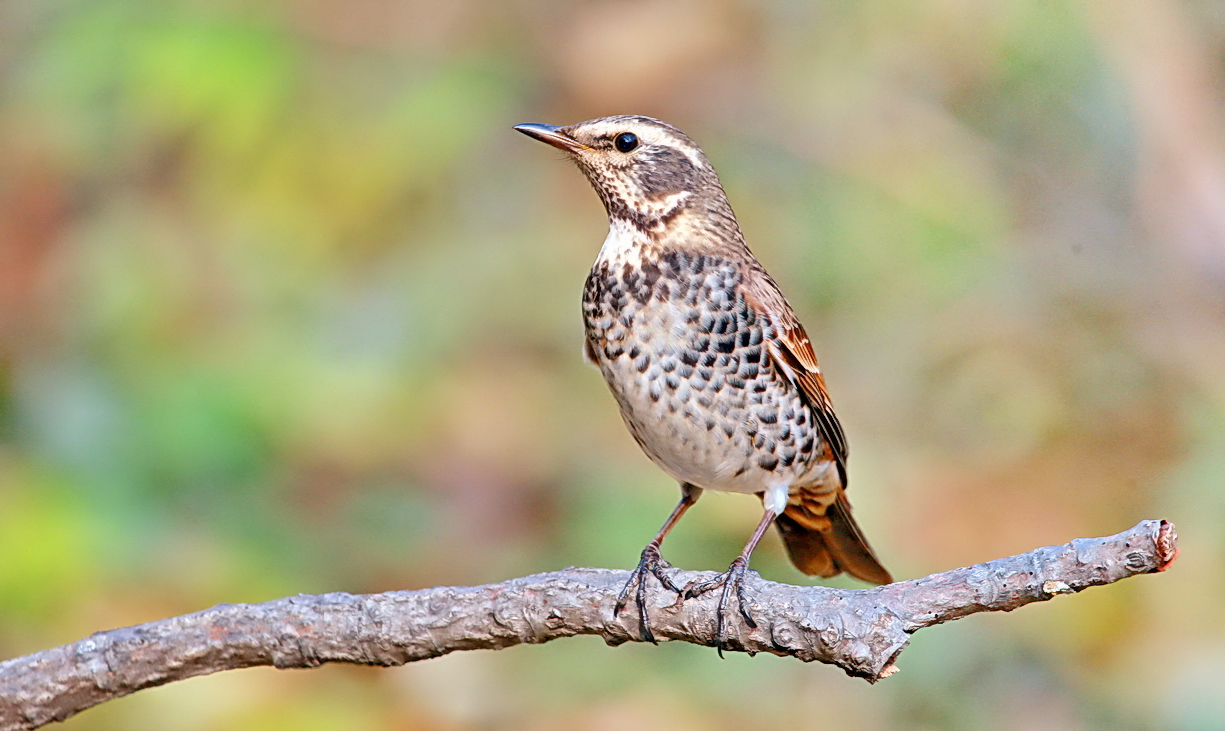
(700, 395)
(673, 432)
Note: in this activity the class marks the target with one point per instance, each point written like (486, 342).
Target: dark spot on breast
(768, 462)
(642, 364)
(725, 345)
(629, 276)
(768, 417)
(689, 358)
(635, 352)
(650, 274)
(674, 260)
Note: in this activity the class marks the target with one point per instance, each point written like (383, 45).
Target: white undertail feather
(775, 499)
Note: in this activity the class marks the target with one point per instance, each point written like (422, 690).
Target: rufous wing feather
(822, 538)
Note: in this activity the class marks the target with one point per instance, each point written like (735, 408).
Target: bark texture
(860, 631)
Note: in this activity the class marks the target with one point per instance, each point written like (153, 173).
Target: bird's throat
(627, 243)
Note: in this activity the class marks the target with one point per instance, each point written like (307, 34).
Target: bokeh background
(286, 306)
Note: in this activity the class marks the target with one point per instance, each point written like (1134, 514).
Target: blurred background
(286, 306)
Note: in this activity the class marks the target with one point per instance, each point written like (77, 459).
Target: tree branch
(860, 631)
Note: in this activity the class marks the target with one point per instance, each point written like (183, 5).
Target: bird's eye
(626, 141)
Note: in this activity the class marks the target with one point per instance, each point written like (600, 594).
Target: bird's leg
(652, 562)
(732, 580)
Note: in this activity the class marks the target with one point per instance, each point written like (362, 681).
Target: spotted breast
(684, 355)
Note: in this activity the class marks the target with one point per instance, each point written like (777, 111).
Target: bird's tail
(828, 544)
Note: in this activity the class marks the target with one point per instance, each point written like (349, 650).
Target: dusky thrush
(714, 375)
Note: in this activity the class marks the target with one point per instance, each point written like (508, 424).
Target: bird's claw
(730, 580)
(652, 563)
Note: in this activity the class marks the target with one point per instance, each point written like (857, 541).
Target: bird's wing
(792, 351)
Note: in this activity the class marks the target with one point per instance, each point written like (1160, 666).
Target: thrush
(714, 375)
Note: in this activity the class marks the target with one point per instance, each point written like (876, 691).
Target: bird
(714, 375)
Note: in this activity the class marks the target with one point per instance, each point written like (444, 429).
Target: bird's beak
(551, 135)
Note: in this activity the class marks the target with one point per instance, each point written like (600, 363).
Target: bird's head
(646, 172)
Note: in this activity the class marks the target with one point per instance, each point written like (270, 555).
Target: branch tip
(1167, 545)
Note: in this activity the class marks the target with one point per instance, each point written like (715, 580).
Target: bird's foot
(652, 563)
(730, 581)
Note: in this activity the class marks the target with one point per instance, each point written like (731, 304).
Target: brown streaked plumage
(715, 377)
